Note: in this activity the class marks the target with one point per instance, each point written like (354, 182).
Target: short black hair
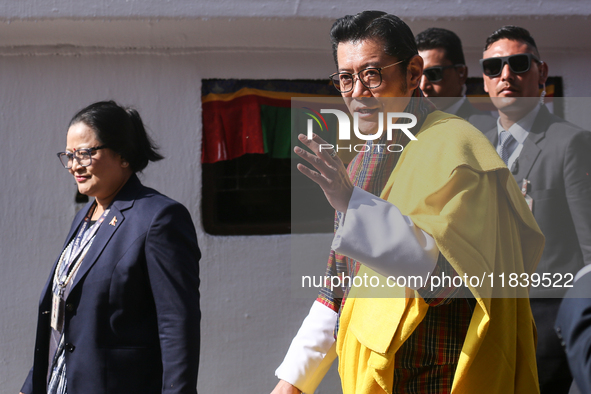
(514, 33)
(120, 129)
(396, 36)
(435, 37)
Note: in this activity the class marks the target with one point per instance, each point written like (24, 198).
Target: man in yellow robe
(453, 203)
(452, 185)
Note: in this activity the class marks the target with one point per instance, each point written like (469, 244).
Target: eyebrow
(75, 149)
(371, 64)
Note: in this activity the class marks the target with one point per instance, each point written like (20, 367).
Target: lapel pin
(113, 221)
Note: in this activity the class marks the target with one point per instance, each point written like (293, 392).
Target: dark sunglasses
(435, 74)
(521, 63)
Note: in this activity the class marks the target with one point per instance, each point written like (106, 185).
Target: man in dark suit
(573, 327)
(445, 74)
(551, 161)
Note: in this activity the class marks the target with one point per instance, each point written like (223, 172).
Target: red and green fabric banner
(251, 116)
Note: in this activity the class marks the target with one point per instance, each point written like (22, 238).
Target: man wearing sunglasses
(551, 161)
(445, 74)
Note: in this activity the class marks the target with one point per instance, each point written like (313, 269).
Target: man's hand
(285, 388)
(331, 176)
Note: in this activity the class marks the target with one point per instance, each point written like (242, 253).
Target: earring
(543, 94)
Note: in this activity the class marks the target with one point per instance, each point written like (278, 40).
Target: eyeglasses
(83, 156)
(370, 77)
(493, 66)
(435, 74)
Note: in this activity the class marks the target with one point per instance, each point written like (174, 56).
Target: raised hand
(331, 174)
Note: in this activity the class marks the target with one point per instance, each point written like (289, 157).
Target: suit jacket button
(69, 347)
(70, 307)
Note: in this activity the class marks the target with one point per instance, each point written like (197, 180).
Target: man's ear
(414, 72)
(543, 68)
(484, 78)
(463, 74)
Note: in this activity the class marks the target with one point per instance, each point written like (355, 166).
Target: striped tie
(508, 145)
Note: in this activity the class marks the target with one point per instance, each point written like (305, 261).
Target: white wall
(58, 56)
(248, 313)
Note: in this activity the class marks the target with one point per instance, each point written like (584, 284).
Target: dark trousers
(553, 372)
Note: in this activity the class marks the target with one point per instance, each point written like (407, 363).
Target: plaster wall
(420, 9)
(248, 313)
(51, 67)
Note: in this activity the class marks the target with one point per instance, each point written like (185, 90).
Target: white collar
(520, 129)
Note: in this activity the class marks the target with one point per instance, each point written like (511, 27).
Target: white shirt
(519, 130)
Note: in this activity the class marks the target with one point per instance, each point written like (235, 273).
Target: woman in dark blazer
(120, 310)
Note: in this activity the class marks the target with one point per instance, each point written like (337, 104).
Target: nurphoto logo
(344, 133)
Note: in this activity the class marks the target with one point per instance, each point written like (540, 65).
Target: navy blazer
(132, 316)
(573, 326)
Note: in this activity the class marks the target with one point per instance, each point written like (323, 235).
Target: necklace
(76, 251)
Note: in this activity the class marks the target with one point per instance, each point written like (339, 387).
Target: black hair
(513, 33)
(435, 37)
(120, 129)
(395, 35)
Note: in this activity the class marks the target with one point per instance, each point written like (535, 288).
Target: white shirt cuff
(375, 233)
(312, 350)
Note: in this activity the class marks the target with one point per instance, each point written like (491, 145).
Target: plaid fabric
(427, 361)
(443, 294)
